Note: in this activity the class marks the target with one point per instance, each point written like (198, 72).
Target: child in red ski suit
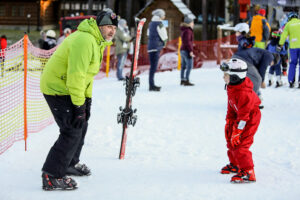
(242, 120)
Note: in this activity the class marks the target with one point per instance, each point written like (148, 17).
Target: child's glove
(236, 133)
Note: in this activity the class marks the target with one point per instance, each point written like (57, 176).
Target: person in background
(42, 39)
(122, 41)
(260, 29)
(257, 59)
(67, 83)
(50, 41)
(157, 39)
(186, 50)
(3, 46)
(67, 32)
(292, 30)
(276, 68)
(242, 121)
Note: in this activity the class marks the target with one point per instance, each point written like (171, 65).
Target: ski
(127, 115)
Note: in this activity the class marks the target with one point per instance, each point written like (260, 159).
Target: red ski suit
(243, 105)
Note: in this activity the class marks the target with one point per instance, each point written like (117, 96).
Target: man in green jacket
(66, 83)
(292, 30)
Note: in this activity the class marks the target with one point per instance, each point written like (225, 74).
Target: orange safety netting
(23, 109)
(14, 104)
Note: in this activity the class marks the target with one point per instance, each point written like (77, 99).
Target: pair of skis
(127, 115)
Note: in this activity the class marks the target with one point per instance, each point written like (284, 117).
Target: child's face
(226, 78)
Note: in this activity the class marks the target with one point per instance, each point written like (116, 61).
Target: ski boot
(188, 83)
(182, 82)
(244, 176)
(270, 83)
(230, 168)
(154, 88)
(52, 183)
(78, 170)
(291, 84)
(278, 84)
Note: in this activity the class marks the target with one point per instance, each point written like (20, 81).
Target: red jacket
(242, 102)
(3, 45)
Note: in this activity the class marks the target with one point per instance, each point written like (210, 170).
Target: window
(2, 10)
(18, 11)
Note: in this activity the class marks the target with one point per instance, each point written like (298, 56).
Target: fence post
(178, 52)
(107, 60)
(25, 40)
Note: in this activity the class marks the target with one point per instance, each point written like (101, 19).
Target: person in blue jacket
(157, 39)
(257, 59)
(276, 68)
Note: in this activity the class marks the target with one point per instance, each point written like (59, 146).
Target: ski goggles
(224, 67)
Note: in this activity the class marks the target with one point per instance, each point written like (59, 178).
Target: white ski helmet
(237, 67)
(241, 27)
(51, 33)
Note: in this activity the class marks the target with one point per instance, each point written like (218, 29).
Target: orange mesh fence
(13, 87)
(23, 109)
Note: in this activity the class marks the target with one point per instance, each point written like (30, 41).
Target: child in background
(276, 68)
(242, 120)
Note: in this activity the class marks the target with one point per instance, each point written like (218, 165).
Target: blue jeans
(120, 65)
(186, 65)
(275, 68)
(154, 57)
(295, 59)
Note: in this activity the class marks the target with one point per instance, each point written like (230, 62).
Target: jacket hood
(90, 26)
(245, 85)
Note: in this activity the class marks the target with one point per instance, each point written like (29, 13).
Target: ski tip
(138, 19)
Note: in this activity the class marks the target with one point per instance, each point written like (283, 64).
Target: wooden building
(42, 14)
(175, 11)
(20, 13)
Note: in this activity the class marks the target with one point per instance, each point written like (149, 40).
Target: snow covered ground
(174, 152)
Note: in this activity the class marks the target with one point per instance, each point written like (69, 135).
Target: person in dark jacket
(257, 59)
(186, 50)
(50, 41)
(157, 39)
(276, 68)
(242, 121)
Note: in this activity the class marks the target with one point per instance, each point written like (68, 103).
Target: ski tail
(127, 117)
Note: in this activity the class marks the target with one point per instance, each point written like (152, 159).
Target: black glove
(88, 103)
(79, 116)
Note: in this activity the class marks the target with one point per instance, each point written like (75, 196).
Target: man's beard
(104, 37)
